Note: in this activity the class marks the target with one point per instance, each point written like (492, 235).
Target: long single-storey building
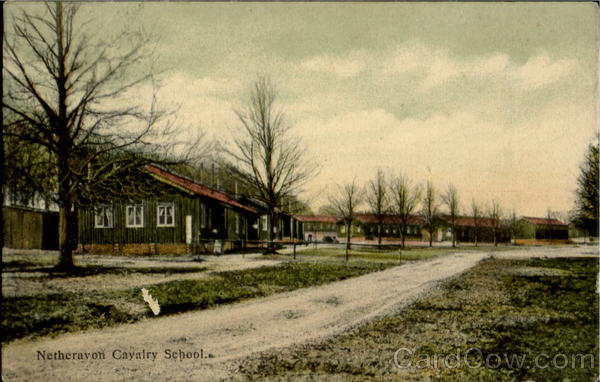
(366, 227)
(185, 217)
(470, 229)
(542, 229)
(319, 227)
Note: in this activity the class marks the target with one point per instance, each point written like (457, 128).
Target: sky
(499, 99)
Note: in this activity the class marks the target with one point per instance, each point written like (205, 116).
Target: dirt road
(227, 333)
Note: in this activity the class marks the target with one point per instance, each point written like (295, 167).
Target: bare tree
(476, 212)
(550, 215)
(378, 200)
(452, 202)
(405, 198)
(345, 201)
(514, 226)
(71, 95)
(494, 213)
(327, 210)
(587, 199)
(430, 210)
(269, 159)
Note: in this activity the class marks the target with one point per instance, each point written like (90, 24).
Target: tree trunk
(453, 237)
(270, 234)
(348, 238)
(431, 238)
(379, 236)
(1, 186)
(402, 236)
(65, 236)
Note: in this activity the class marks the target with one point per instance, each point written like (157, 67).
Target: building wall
(528, 230)
(319, 230)
(389, 231)
(150, 232)
(29, 229)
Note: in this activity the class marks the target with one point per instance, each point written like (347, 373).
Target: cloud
(542, 70)
(438, 66)
(344, 67)
(485, 159)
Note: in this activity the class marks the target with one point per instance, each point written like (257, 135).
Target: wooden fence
(26, 228)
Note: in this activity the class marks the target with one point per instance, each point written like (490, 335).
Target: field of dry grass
(478, 327)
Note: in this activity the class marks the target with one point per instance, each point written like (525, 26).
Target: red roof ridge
(543, 221)
(195, 187)
(318, 218)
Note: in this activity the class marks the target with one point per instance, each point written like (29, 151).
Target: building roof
(194, 187)
(261, 207)
(369, 218)
(543, 221)
(469, 221)
(317, 219)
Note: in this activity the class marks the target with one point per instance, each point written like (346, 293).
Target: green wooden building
(185, 217)
(542, 229)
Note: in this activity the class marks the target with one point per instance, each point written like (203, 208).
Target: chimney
(212, 175)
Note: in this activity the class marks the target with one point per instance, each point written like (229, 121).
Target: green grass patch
(492, 311)
(94, 270)
(389, 255)
(58, 313)
(227, 287)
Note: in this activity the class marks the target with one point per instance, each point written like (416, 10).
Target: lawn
(505, 320)
(363, 253)
(39, 315)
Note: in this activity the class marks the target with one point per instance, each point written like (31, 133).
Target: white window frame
(110, 216)
(165, 205)
(132, 207)
(264, 223)
(203, 215)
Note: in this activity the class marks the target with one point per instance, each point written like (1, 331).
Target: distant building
(286, 227)
(541, 229)
(366, 227)
(319, 228)
(469, 229)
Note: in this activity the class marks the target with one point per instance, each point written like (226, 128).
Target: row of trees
(399, 197)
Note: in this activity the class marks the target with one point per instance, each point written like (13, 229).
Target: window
(237, 224)
(104, 217)
(343, 229)
(264, 223)
(203, 215)
(135, 215)
(166, 214)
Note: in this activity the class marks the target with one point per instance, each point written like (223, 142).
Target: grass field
(359, 253)
(67, 312)
(505, 320)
